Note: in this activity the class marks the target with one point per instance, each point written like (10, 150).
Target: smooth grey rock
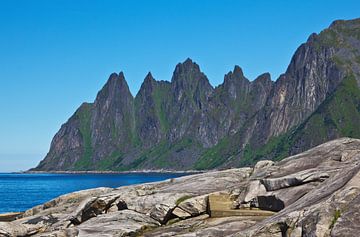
(195, 206)
(92, 207)
(181, 213)
(294, 179)
(13, 229)
(260, 165)
(255, 188)
(161, 213)
(121, 223)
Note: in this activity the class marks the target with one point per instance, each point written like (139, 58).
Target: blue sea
(19, 192)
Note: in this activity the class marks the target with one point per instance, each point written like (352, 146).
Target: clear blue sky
(54, 55)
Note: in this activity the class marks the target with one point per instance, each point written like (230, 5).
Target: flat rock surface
(317, 193)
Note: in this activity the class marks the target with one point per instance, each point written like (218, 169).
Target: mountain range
(187, 124)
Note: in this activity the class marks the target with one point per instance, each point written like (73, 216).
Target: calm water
(19, 192)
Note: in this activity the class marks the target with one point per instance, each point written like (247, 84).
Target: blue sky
(54, 55)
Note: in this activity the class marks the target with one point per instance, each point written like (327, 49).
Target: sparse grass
(160, 95)
(160, 153)
(336, 216)
(338, 61)
(173, 221)
(110, 162)
(226, 149)
(357, 59)
(181, 199)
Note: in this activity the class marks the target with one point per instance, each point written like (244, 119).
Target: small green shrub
(183, 198)
(336, 216)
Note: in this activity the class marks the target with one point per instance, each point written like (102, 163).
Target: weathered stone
(255, 188)
(118, 205)
(85, 211)
(65, 203)
(93, 207)
(121, 223)
(13, 229)
(294, 179)
(10, 216)
(161, 213)
(181, 213)
(195, 206)
(346, 222)
(270, 203)
(262, 165)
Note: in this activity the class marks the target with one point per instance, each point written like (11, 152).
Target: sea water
(19, 192)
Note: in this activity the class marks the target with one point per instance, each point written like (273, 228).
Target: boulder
(6, 217)
(14, 229)
(161, 213)
(121, 223)
(255, 188)
(296, 179)
(270, 203)
(117, 205)
(180, 213)
(195, 206)
(261, 165)
(66, 203)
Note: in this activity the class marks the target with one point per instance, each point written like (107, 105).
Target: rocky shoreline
(315, 193)
(161, 171)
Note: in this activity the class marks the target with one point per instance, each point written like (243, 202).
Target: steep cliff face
(151, 111)
(112, 125)
(323, 79)
(186, 123)
(190, 91)
(70, 143)
(239, 99)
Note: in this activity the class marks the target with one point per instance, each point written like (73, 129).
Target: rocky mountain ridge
(188, 124)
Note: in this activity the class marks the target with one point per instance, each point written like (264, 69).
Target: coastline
(161, 171)
(31, 186)
(212, 203)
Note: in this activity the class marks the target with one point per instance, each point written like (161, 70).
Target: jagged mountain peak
(121, 75)
(189, 63)
(345, 23)
(148, 81)
(187, 77)
(115, 90)
(187, 67)
(235, 75)
(238, 71)
(235, 83)
(149, 76)
(336, 28)
(265, 77)
(147, 85)
(116, 79)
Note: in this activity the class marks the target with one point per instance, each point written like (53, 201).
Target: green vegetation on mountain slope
(84, 116)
